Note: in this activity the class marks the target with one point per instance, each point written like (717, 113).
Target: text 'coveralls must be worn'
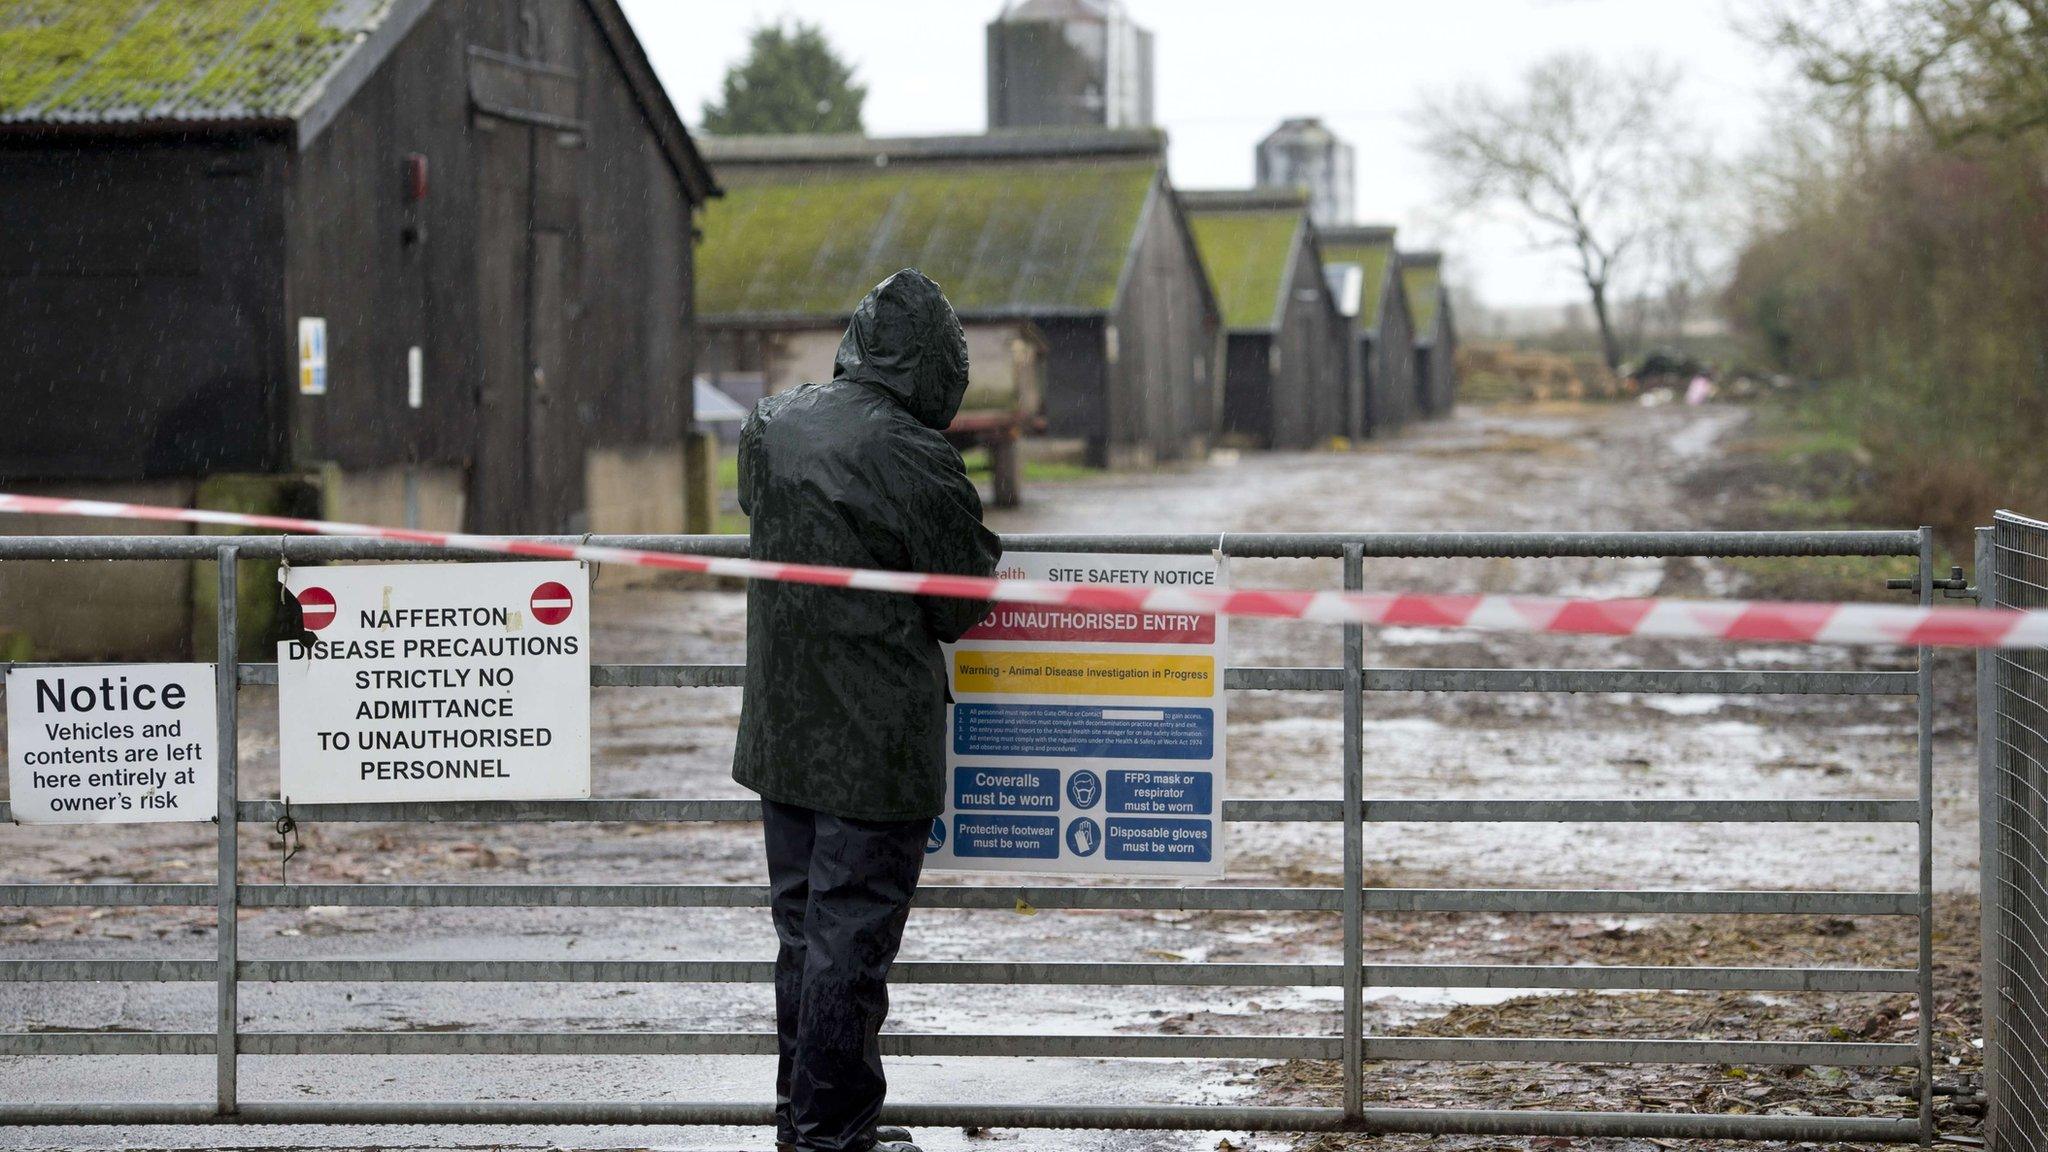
(843, 727)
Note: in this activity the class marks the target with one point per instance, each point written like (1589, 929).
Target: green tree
(791, 81)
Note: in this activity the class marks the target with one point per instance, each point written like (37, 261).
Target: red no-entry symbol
(552, 602)
(316, 608)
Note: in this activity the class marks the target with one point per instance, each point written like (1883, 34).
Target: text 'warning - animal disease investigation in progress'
(1088, 741)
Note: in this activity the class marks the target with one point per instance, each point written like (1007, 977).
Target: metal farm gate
(2012, 748)
(1349, 808)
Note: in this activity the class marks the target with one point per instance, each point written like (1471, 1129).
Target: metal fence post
(1990, 862)
(1354, 844)
(1924, 664)
(226, 682)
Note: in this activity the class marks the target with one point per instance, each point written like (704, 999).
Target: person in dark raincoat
(843, 728)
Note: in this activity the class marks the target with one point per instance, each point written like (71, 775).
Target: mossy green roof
(85, 61)
(1372, 258)
(1422, 282)
(1246, 253)
(1029, 236)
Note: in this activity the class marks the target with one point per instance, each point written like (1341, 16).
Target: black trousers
(840, 892)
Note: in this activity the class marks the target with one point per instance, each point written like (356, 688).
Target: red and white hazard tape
(1783, 621)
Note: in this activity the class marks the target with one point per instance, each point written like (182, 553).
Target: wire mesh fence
(2013, 742)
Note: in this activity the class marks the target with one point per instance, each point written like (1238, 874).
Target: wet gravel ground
(1520, 469)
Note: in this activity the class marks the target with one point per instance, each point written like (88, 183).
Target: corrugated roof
(121, 61)
(1245, 252)
(1001, 144)
(1371, 247)
(1422, 278)
(1018, 234)
(1224, 199)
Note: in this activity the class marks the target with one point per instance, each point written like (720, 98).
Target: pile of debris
(1497, 371)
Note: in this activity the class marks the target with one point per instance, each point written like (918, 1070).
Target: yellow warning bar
(1084, 673)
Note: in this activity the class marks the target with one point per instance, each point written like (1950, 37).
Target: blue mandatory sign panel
(1185, 841)
(1007, 837)
(1005, 789)
(1084, 788)
(1161, 793)
(936, 838)
(1084, 836)
(1088, 731)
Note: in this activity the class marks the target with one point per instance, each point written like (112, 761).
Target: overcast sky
(1228, 72)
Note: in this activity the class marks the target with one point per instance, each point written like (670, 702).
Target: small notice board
(112, 743)
(424, 682)
(1087, 741)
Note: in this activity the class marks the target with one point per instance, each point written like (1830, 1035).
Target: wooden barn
(1382, 369)
(1436, 340)
(1066, 248)
(405, 261)
(1284, 373)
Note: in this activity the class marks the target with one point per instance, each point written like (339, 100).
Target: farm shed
(1284, 369)
(1383, 360)
(421, 261)
(1076, 234)
(1436, 340)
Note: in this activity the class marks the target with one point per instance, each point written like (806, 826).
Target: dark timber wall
(1309, 390)
(1162, 380)
(546, 275)
(139, 297)
(152, 276)
(1388, 355)
(1248, 386)
(1436, 364)
(1077, 384)
(1287, 388)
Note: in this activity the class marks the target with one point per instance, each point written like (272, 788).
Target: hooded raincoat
(845, 708)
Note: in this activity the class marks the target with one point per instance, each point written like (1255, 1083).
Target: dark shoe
(888, 1138)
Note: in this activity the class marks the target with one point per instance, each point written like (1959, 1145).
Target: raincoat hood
(905, 340)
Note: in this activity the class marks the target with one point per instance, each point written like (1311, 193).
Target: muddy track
(1521, 469)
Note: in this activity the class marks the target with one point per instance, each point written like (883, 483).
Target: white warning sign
(112, 744)
(436, 682)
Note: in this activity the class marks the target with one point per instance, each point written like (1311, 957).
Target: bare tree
(1578, 152)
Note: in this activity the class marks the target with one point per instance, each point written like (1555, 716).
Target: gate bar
(1181, 1117)
(1924, 666)
(1989, 803)
(1246, 545)
(227, 650)
(1829, 811)
(1354, 844)
(1281, 678)
(1686, 902)
(1024, 973)
(1007, 972)
(1010, 1045)
(1104, 898)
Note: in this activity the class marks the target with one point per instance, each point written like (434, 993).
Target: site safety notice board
(1087, 741)
(423, 682)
